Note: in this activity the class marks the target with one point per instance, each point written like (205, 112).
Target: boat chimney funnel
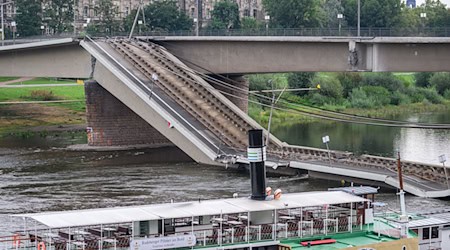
(256, 154)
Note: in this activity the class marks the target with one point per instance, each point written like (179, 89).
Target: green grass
(44, 81)
(5, 79)
(61, 92)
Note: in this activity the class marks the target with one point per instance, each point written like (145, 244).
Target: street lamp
(139, 24)
(340, 16)
(443, 159)
(326, 140)
(267, 18)
(42, 28)
(13, 25)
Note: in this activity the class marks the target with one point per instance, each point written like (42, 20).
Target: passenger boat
(334, 219)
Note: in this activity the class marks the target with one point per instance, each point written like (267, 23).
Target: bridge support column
(111, 123)
(237, 96)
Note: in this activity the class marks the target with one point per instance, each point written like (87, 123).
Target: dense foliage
(225, 15)
(361, 90)
(29, 21)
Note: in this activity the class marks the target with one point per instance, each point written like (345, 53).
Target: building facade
(85, 11)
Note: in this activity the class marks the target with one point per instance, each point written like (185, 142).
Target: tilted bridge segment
(205, 124)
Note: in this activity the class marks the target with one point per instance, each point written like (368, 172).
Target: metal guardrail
(318, 32)
(327, 32)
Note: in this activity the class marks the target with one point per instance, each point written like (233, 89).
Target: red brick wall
(111, 123)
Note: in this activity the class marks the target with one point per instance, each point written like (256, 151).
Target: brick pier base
(111, 123)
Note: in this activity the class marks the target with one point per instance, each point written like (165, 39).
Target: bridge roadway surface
(131, 86)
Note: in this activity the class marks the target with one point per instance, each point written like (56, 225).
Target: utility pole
(2, 21)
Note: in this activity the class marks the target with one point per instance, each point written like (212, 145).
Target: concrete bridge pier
(238, 96)
(111, 123)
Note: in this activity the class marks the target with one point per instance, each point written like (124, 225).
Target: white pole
(3, 26)
(270, 116)
(359, 18)
(135, 21)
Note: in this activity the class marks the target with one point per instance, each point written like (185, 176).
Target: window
(255, 13)
(434, 232)
(144, 228)
(192, 12)
(246, 12)
(127, 10)
(85, 10)
(425, 233)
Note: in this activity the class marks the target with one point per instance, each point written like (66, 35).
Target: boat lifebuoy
(41, 246)
(16, 240)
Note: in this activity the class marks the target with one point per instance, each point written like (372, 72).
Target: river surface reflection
(46, 178)
(420, 145)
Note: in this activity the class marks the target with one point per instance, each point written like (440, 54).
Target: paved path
(39, 85)
(22, 79)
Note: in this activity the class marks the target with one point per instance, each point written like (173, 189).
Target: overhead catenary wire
(361, 119)
(303, 106)
(230, 86)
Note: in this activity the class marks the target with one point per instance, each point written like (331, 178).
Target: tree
(441, 81)
(437, 13)
(107, 12)
(225, 15)
(374, 13)
(300, 80)
(423, 79)
(331, 9)
(29, 20)
(329, 86)
(164, 15)
(249, 23)
(59, 15)
(294, 13)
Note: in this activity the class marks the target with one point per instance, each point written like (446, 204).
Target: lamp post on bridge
(423, 16)
(340, 17)
(267, 18)
(443, 159)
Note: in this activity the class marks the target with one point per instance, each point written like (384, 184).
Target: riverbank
(283, 118)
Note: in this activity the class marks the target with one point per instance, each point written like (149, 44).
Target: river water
(422, 145)
(37, 174)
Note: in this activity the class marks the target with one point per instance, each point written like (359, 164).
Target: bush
(418, 95)
(349, 81)
(399, 98)
(447, 94)
(329, 86)
(386, 80)
(423, 79)
(370, 97)
(318, 99)
(431, 95)
(42, 95)
(441, 81)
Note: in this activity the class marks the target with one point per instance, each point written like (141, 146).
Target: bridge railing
(333, 32)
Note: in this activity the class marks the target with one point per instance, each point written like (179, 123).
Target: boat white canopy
(104, 216)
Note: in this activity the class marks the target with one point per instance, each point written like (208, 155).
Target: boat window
(426, 233)
(144, 228)
(434, 232)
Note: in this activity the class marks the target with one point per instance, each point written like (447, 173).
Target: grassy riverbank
(388, 112)
(23, 116)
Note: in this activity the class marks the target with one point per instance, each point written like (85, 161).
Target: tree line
(360, 90)
(58, 15)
